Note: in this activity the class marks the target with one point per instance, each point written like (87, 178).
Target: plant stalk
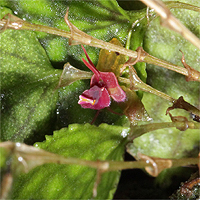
(80, 37)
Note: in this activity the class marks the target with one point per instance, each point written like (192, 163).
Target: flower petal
(109, 81)
(95, 98)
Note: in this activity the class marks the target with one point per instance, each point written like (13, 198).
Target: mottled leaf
(54, 181)
(28, 81)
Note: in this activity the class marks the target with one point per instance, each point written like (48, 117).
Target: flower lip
(95, 98)
(84, 100)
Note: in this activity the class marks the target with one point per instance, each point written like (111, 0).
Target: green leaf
(165, 44)
(54, 181)
(28, 99)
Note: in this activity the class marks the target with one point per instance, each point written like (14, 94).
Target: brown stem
(159, 164)
(193, 74)
(29, 154)
(182, 104)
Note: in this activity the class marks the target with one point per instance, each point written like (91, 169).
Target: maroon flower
(102, 86)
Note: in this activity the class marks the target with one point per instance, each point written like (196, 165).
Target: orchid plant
(84, 161)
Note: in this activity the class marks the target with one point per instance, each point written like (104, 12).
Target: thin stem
(184, 162)
(153, 60)
(121, 165)
(40, 157)
(181, 5)
(138, 84)
(82, 38)
(137, 131)
(24, 25)
(89, 40)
